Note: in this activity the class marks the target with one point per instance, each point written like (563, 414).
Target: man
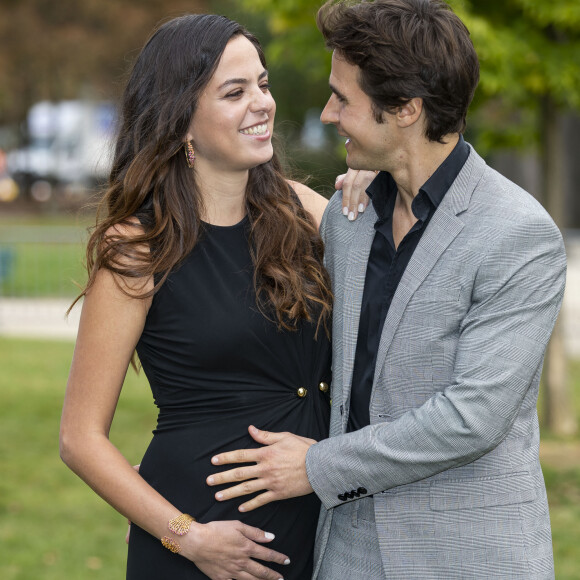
(446, 292)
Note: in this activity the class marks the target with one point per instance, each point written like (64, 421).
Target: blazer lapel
(443, 228)
(354, 282)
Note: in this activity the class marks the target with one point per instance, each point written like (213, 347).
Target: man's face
(368, 143)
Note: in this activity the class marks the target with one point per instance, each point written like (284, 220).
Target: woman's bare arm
(110, 326)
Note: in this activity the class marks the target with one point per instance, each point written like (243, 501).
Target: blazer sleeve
(517, 294)
(332, 206)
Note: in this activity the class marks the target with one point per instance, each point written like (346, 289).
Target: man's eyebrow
(241, 81)
(337, 93)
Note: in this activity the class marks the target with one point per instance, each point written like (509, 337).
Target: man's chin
(357, 165)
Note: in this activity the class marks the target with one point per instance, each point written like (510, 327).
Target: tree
(529, 52)
(67, 49)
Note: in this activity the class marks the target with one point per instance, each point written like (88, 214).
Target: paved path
(46, 318)
(27, 318)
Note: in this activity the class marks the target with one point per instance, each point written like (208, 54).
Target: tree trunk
(558, 411)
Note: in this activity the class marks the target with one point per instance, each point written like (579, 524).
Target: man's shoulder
(499, 198)
(505, 220)
(333, 218)
(335, 222)
(334, 207)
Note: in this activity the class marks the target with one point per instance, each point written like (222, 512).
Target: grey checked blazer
(451, 454)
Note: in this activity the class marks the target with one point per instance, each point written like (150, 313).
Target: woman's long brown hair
(150, 181)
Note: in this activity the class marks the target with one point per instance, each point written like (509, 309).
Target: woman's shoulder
(313, 202)
(131, 255)
(129, 229)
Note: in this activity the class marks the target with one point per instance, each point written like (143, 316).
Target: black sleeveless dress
(217, 365)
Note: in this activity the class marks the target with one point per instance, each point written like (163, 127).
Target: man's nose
(329, 113)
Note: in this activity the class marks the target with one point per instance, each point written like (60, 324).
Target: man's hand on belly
(279, 470)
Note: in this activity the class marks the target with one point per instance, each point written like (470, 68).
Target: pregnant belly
(177, 463)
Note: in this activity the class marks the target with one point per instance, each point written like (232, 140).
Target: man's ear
(410, 112)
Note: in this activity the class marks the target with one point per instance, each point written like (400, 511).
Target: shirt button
(323, 387)
(301, 392)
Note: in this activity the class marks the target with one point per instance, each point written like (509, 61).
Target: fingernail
(219, 495)
(214, 460)
(210, 480)
(286, 561)
(242, 508)
(361, 207)
(269, 536)
(345, 210)
(351, 216)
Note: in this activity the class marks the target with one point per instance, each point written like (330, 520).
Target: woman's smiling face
(233, 123)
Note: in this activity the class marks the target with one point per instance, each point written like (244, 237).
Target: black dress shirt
(386, 266)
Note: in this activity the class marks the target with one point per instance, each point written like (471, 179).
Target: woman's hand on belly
(228, 549)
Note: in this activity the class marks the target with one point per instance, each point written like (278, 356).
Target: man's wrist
(311, 465)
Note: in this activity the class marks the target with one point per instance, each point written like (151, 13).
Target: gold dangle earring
(189, 154)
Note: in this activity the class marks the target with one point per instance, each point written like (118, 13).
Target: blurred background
(62, 69)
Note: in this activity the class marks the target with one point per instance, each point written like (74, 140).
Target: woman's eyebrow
(241, 81)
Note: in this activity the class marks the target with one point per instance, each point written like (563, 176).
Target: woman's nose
(263, 101)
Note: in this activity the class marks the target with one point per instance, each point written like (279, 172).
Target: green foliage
(295, 38)
(527, 48)
(564, 14)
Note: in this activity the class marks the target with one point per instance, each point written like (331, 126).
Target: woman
(208, 263)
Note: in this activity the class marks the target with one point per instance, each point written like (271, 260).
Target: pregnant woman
(207, 262)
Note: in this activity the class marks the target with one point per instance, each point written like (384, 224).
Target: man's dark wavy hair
(407, 49)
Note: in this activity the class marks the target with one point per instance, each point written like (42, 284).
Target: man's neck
(418, 164)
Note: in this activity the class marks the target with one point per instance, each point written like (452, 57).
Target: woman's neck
(224, 196)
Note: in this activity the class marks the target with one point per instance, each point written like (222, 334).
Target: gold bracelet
(180, 525)
(171, 545)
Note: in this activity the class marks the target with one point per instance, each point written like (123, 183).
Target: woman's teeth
(255, 130)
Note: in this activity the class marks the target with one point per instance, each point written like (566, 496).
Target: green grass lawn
(42, 257)
(53, 527)
(564, 499)
(44, 270)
